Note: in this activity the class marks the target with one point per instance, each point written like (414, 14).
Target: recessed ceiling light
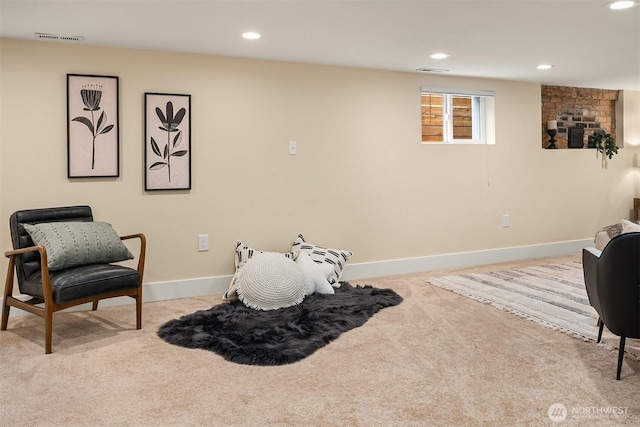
(251, 36)
(439, 56)
(544, 66)
(624, 4)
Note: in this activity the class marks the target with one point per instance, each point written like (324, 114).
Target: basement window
(457, 116)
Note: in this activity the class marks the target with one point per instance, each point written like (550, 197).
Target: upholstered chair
(612, 279)
(73, 261)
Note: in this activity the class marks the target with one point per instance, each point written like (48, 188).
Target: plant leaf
(179, 116)
(166, 151)
(170, 111)
(155, 148)
(100, 120)
(157, 165)
(177, 139)
(85, 121)
(603, 143)
(161, 115)
(179, 153)
(107, 129)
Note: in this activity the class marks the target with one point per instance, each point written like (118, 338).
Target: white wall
(361, 180)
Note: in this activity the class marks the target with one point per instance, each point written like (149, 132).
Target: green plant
(603, 142)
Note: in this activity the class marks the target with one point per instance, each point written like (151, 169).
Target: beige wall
(361, 180)
(629, 132)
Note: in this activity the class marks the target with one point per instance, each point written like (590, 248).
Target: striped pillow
(244, 253)
(337, 258)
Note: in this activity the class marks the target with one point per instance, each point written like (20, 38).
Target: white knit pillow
(242, 254)
(269, 281)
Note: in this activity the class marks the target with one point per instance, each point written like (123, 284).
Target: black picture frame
(93, 126)
(167, 141)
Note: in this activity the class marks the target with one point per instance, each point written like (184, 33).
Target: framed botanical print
(167, 141)
(93, 141)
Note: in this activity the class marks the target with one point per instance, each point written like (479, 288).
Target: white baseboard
(461, 259)
(217, 285)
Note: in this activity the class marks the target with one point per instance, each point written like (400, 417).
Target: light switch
(293, 147)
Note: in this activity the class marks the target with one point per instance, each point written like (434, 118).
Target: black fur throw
(277, 337)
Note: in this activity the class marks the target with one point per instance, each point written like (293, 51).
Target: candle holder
(552, 142)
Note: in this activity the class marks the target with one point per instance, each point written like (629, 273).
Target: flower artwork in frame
(167, 145)
(93, 133)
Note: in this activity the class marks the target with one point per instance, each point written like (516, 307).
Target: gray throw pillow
(70, 244)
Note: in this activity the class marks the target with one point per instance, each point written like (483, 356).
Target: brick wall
(580, 107)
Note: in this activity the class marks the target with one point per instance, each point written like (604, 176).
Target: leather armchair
(612, 279)
(51, 291)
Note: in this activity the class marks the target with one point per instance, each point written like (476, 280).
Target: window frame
(482, 111)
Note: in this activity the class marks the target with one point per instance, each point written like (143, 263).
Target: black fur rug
(277, 337)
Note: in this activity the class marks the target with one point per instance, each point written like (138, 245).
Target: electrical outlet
(203, 242)
(506, 220)
(293, 147)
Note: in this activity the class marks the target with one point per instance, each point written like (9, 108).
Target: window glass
(457, 117)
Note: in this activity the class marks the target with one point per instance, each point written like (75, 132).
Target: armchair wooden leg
(601, 327)
(620, 357)
(94, 307)
(48, 328)
(5, 314)
(139, 310)
(8, 291)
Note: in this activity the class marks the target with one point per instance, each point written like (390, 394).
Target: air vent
(47, 36)
(431, 70)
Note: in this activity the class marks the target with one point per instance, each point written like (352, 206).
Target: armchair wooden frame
(50, 306)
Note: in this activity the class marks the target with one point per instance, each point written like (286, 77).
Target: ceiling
(588, 44)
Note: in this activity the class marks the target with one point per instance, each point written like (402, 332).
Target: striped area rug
(552, 295)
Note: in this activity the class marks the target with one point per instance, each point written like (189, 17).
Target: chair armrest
(143, 250)
(21, 251)
(132, 236)
(593, 251)
(590, 257)
(44, 268)
(43, 259)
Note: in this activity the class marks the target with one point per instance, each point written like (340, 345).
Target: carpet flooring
(436, 359)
